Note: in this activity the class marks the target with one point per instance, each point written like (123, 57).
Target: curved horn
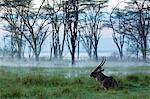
(103, 62)
(100, 65)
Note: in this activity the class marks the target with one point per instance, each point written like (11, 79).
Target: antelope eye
(92, 74)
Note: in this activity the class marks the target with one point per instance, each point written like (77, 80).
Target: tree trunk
(137, 51)
(35, 51)
(95, 53)
(19, 48)
(144, 53)
(145, 50)
(78, 49)
(91, 43)
(73, 59)
(36, 56)
(73, 52)
(121, 54)
(51, 51)
(95, 49)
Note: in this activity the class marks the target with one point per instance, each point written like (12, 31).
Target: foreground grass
(40, 83)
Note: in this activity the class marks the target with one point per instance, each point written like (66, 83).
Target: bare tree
(134, 23)
(7, 48)
(93, 25)
(54, 9)
(116, 23)
(35, 25)
(133, 47)
(138, 18)
(10, 16)
(71, 23)
(119, 41)
(86, 36)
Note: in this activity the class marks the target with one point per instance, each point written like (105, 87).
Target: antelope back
(109, 82)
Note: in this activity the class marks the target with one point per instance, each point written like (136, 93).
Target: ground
(71, 83)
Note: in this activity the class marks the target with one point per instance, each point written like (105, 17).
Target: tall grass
(36, 84)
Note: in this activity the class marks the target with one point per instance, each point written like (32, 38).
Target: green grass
(53, 83)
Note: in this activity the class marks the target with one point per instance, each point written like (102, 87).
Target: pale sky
(113, 3)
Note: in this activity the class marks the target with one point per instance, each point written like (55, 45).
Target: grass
(52, 83)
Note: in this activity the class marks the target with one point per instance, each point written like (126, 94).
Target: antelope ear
(102, 70)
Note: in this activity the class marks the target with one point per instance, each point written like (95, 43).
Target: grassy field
(68, 83)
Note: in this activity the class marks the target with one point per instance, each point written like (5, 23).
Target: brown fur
(105, 82)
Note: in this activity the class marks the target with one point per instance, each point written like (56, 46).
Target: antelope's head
(98, 71)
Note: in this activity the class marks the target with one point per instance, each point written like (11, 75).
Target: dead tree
(133, 48)
(12, 18)
(116, 23)
(137, 23)
(86, 37)
(105, 82)
(93, 25)
(53, 10)
(71, 22)
(143, 13)
(35, 25)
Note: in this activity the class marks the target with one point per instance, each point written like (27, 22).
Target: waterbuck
(105, 82)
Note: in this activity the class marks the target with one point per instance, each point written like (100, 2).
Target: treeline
(131, 25)
(70, 23)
